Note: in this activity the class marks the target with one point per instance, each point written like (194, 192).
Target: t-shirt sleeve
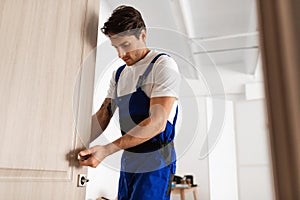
(166, 78)
(111, 88)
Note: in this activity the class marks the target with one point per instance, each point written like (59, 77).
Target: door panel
(43, 46)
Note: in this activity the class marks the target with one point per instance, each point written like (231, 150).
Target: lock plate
(82, 180)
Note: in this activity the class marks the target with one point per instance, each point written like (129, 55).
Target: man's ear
(143, 35)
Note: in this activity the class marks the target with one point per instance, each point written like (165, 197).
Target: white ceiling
(226, 29)
(222, 17)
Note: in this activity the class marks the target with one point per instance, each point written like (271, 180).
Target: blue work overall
(146, 169)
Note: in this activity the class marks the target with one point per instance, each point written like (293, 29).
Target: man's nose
(121, 53)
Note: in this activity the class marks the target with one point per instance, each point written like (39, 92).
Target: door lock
(82, 180)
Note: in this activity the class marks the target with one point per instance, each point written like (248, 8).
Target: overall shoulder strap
(175, 117)
(148, 70)
(118, 73)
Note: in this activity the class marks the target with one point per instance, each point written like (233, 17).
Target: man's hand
(94, 156)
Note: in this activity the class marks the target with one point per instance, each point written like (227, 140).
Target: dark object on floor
(177, 179)
(191, 178)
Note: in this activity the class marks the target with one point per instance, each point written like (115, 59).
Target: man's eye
(125, 45)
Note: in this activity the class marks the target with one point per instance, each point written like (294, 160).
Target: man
(145, 90)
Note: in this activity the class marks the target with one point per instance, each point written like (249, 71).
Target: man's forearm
(96, 128)
(160, 109)
(101, 119)
(144, 131)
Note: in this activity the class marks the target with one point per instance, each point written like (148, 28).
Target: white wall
(253, 161)
(222, 159)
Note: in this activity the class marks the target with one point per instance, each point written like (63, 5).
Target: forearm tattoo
(105, 113)
(109, 109)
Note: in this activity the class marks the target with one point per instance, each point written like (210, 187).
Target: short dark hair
(124, 20)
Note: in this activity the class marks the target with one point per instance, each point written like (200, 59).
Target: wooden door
(43, 46)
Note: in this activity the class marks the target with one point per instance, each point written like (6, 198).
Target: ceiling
(204, 32)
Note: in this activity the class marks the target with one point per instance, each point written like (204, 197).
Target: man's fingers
(83, 157)
(85, 162)
(90, 157)
(85, 152)
(92, 162)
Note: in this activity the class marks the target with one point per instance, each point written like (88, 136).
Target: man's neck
(142, 54)
(145, 52)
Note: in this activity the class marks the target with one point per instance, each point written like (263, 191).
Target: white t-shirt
(163, 79)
